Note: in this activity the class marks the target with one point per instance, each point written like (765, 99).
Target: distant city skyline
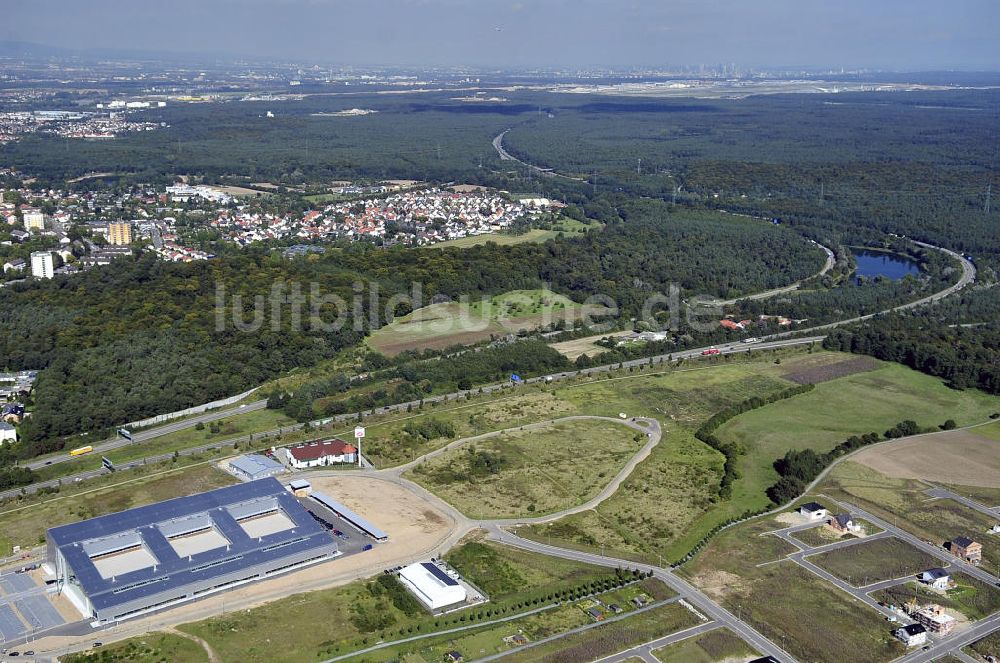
(890, 34)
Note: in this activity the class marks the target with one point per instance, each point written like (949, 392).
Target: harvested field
(955, 457)
(825, 372)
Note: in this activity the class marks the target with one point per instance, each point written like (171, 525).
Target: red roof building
(321, 452)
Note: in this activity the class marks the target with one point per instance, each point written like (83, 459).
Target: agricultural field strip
(686, 590)
(502, 620)
(579, 629)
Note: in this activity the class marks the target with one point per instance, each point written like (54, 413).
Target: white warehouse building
(432, 586)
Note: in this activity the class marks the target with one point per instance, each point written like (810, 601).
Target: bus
(82, 450)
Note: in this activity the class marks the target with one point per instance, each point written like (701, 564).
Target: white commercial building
(432, 585)
(7, 433)
(42, 266)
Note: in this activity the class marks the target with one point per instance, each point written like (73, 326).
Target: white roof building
(432, 586)
(7, 433)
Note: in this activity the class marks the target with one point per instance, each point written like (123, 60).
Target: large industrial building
(126, 564)
(432, 586)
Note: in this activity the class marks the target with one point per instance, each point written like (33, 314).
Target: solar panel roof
(172, 570)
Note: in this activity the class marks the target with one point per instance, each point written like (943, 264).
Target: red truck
(710, 352)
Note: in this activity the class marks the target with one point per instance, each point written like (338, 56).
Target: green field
(530, 472)
(150, 648)
(718, 646)
(446, 324)
(24, 522)
(684, 396)
(876, 400)
(972, 597)
(654, 512)
(328, 623)
(495, 638)
(883, 559)
(786, 602)
(561, 226)
(904, 502)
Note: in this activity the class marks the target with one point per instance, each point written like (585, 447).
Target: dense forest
(134, 339)
(139, 338)
(957, 340)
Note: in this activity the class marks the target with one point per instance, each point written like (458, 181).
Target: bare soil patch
(825, 372)
(959, 457)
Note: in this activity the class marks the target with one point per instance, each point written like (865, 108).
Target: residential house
(912, 635)
(321, 453)
(12, 413)
(595, 614)
(7, 433)
(454, 656)
(19, 236)
(844, 524)
(813, 511)
(15, 265)
(967, 549)
(937, 578)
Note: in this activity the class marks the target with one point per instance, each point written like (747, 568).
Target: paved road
(688, 591)
(831, 260)
(929, 548)
(152, 433)
(545, 172)
(645, 651)
(976, 631)
(944, 493)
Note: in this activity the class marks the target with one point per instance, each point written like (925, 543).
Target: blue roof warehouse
(126, 564)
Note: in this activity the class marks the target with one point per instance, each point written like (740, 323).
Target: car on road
(710, 352)
(752, 339)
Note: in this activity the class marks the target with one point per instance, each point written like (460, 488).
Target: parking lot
(24, 607)
(350, 539)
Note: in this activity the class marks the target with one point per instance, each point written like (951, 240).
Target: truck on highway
(710, 352)
(81, 450)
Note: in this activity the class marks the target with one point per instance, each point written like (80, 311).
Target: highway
(153, 433)
(150, 434)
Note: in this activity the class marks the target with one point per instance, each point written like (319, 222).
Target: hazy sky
(891, 34)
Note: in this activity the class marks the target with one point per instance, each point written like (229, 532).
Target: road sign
(126, 433)
(106, 462)
(359, 432)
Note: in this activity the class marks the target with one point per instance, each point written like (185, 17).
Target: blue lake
(887, 265)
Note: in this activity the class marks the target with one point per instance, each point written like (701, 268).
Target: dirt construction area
(956, 457)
